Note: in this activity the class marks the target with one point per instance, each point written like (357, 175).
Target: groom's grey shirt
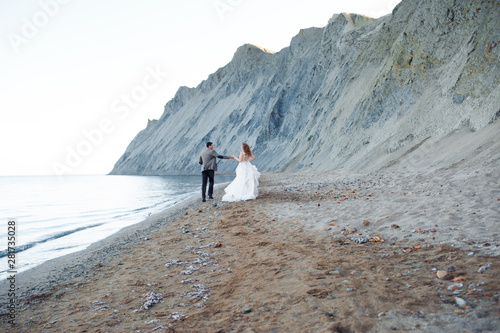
(208, 159)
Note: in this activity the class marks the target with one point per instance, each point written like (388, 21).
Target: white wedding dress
(244, 186)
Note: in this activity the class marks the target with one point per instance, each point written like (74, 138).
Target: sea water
(55, 216)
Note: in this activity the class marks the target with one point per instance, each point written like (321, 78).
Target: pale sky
(80, 78)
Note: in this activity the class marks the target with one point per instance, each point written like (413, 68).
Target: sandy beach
(375, 127)
(318, 252)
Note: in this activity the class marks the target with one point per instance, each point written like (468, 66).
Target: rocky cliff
(359, 94)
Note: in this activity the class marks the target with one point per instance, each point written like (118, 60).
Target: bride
(244, 186)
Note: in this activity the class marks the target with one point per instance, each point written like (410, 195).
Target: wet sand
(319, 252)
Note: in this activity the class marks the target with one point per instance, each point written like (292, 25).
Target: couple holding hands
(243, 187)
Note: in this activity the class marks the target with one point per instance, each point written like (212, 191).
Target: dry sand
(327, 252)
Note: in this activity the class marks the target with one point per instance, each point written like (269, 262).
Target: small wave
(136, 211)
(61, 234)
(139, 209)
(65, 248)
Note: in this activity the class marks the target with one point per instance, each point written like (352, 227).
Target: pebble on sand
(361, 240)
(459, 278)
(484, 268)
(151, 299)
(442, 274)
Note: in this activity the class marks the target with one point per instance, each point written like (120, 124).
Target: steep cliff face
(358, 94)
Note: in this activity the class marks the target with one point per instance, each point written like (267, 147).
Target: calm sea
(55, 217)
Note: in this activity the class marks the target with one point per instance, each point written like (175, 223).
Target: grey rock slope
(359, 94)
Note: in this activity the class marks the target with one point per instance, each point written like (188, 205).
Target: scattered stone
(348, 231)
(455, 286)
(442, 274)
(151, 299)
(394, 226)
(193, 268)
(459, 278)
(366, 223)
(97, 303)
(201, 292)
(377, 239)
(161, 327)
(177, 316)
(174, 262)
(460, 301)
(360, 240)
(484, 268)
(246, 310)
(349, 289)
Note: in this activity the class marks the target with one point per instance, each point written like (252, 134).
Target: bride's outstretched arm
(239, 159)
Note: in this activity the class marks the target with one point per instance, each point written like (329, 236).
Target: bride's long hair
(246, 149)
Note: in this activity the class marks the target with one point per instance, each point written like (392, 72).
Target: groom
(208, 161)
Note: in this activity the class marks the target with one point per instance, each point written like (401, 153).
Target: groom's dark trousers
(207, 174)
(208, 161)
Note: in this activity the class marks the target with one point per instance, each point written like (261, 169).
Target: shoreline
(55, 270)
(330, 251)
(75, 221)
